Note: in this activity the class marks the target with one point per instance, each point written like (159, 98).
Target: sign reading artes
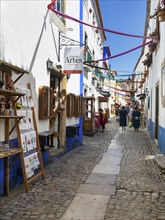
(73, 61)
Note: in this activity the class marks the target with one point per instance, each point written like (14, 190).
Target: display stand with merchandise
(24, 123)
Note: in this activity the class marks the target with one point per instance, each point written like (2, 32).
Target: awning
(4, 66)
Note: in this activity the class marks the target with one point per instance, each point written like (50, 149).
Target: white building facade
(152, 60)
(32, 38)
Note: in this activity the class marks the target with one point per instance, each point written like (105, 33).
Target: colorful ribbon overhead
(121, 54)
(52, 8)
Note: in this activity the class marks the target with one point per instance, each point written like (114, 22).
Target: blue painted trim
(161, 139)
(161, 135)
(2, 176)
(81, 75)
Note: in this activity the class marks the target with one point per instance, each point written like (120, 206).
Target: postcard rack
(22, 121)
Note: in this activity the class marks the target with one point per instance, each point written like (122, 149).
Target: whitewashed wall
(155, 68)
(27, 41)
(94, 45)
(73, 32)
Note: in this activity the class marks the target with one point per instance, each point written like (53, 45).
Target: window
(60, 7)
(74, 105)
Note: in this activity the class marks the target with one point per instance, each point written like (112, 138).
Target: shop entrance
(103, 103)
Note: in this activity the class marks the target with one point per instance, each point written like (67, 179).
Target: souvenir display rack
(28, 139)
(9, 97)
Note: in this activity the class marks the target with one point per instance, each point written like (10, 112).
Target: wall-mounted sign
(105, 93)
(73, 61)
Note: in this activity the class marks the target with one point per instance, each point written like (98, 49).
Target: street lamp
(49, 65)
(146, 91)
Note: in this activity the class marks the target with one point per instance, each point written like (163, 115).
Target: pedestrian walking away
(117, 110)
(136, 119)
(128, 110)
(123, 117)
(102, 119)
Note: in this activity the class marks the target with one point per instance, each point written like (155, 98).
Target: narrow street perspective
(82, 110)
(112, 176)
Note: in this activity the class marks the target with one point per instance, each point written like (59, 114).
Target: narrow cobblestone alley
(140, 185)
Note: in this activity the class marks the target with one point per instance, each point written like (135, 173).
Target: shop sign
(105, 93)
(73, 60)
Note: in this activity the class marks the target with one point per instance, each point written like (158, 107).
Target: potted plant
(97, 31)
(145, 73)
(161, 14)
(148, 60)
(161, 11)
(152, 47)
(90, 10)
(155, 36)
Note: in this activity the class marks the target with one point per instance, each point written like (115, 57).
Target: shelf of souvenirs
(11, 117)
(11, 93)
(9, 152)
(4, 66)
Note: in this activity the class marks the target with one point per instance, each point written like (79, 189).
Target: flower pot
(145, 73)
(97, 31)
(155, 40)
(147, 62)
(152, 47)
(161, 15)
(90, 10)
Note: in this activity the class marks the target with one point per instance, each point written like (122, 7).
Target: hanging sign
(105, 93)
(73, 61)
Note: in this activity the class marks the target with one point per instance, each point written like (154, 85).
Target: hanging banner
(73, 60)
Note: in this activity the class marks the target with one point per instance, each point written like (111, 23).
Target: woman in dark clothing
(136, 119)
(123, 117)
(102, 119)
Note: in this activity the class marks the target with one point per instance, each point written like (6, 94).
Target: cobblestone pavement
(49, 198)
(140, 191)
(140, 184)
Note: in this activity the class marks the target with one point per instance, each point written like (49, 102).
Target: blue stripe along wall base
(161, 135)
(16, 176)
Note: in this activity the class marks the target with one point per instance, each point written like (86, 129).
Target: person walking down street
(123, 117)
(117, 113)
(128, 110)
(136, 119)
(102, 119)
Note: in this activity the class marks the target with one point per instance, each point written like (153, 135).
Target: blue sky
(128, 17)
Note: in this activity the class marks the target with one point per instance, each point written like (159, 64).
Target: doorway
(156, 112)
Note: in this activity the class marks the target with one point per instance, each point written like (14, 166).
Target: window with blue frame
(60, 7)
